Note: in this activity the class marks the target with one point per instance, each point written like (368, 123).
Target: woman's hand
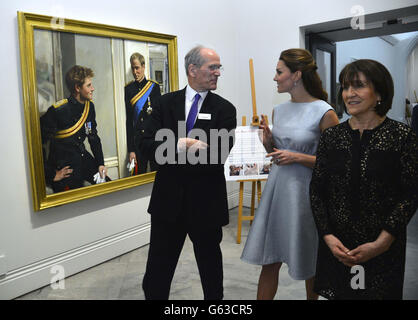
(282, 157)
(267, 137)
(365, 252)
(339, 251)
(369, 250)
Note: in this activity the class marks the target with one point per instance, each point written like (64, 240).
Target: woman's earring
(379, 103)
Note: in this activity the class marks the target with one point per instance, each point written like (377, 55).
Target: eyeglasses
(215, 67)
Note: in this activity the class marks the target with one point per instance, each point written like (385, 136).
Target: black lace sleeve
(318, 187)
(405, 208)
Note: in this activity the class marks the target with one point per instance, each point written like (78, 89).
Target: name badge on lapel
(204, 116)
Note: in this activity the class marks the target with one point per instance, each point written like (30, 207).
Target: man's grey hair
(194, 57)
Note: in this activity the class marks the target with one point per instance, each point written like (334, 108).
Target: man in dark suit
(140, 95)
(189, 199)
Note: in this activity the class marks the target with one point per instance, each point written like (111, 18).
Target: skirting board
(39, 274)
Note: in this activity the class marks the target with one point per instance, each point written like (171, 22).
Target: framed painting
(49, 48)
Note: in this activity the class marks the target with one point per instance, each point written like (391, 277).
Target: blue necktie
(192, 114)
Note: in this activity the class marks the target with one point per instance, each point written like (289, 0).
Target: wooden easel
(254, 182)
(256, 120)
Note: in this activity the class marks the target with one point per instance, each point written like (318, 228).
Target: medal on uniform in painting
(149, 109)
(88, 127)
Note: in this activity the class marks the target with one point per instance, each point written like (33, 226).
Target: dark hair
(76, 76)
(377, 74)
(302, 60)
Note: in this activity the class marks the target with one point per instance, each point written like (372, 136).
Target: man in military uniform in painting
(140, 95)
(66, 125)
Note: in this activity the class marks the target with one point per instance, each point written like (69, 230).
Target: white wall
(412, 76)
(83, 234)
(403, 48)
(271, 26)
(369, 48)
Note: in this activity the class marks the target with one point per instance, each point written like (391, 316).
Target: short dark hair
(77, 76)
(377, 74)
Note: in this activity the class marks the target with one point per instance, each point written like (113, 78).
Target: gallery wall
(82, 234)
(412, 76)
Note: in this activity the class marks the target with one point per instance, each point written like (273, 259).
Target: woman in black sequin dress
(364, 191)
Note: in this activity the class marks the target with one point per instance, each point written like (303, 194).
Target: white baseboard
(37, 275)
(26, 279)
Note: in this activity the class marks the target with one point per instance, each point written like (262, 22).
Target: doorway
(388, 37)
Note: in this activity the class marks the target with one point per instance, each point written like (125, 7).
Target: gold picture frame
(31, 24)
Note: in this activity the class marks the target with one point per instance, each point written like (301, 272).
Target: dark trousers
(142, 160)
(84, 168)
(143, 164)
(167, 240)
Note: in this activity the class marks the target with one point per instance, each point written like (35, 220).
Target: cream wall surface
(85, 233)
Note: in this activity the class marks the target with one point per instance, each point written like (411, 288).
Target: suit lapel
(177, 108)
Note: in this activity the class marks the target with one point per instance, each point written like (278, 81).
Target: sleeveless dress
(284, 229)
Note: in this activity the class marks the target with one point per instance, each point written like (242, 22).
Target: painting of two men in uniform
(91, 122)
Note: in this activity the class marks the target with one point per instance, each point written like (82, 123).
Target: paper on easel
(247, 159)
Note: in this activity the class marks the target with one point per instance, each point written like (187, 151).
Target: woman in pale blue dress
(283, 230)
